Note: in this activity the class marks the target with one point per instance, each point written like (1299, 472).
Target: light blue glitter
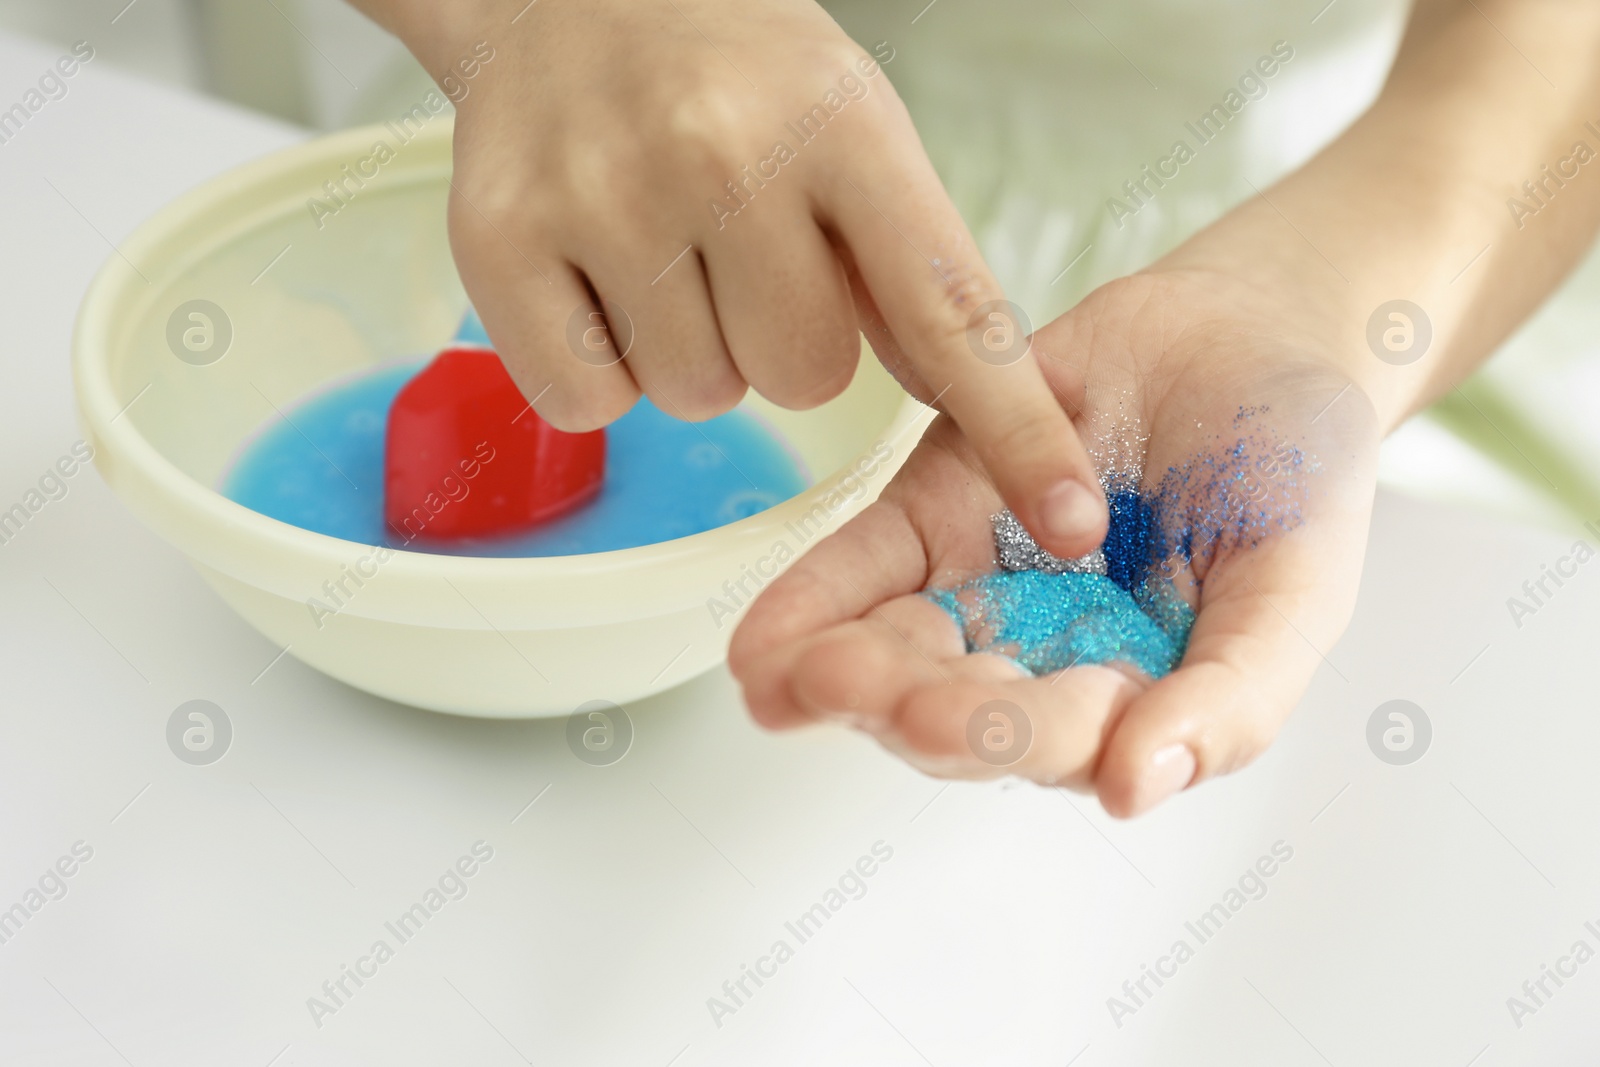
(1048, 622)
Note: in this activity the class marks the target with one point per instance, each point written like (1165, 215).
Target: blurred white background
(314, 63)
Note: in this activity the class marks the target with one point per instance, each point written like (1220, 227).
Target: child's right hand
(591, 154)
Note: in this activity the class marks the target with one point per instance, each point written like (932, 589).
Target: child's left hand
(1279, 307)
(844, 635)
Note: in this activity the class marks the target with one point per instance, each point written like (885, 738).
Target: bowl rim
(163, 245)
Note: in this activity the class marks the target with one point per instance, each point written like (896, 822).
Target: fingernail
(1070, 510)
(1171, 769)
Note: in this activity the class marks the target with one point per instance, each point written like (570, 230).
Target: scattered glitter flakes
(1018, 551)
(1231, 498)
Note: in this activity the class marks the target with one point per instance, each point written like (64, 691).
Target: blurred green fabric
(1036, 112)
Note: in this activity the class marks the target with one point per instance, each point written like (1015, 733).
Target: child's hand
(740, 190)
(1286, 305)
(1174, 357)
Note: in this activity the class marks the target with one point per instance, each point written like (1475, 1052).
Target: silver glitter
(1018, 551)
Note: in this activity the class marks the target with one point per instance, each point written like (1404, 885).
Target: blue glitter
(1222, 501)
(1048, 622)
(1130, 538)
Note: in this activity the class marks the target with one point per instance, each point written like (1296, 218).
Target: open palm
(1169, 376)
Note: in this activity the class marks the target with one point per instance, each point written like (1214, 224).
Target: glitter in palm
(1049, 621)
(1117, 604)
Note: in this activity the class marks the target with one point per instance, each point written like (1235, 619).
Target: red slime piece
(466, 455)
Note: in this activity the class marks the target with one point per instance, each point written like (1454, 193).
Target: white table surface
(219, 898)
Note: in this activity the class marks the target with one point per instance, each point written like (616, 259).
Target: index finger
(971, 347)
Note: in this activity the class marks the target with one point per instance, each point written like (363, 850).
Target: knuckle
(832, 54)
(963, 315)
(484, 205)
(1023, 433)
(832, 74)
(605, 170)
(711, 124)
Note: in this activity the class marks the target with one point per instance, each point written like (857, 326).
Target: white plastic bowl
(312, 299)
